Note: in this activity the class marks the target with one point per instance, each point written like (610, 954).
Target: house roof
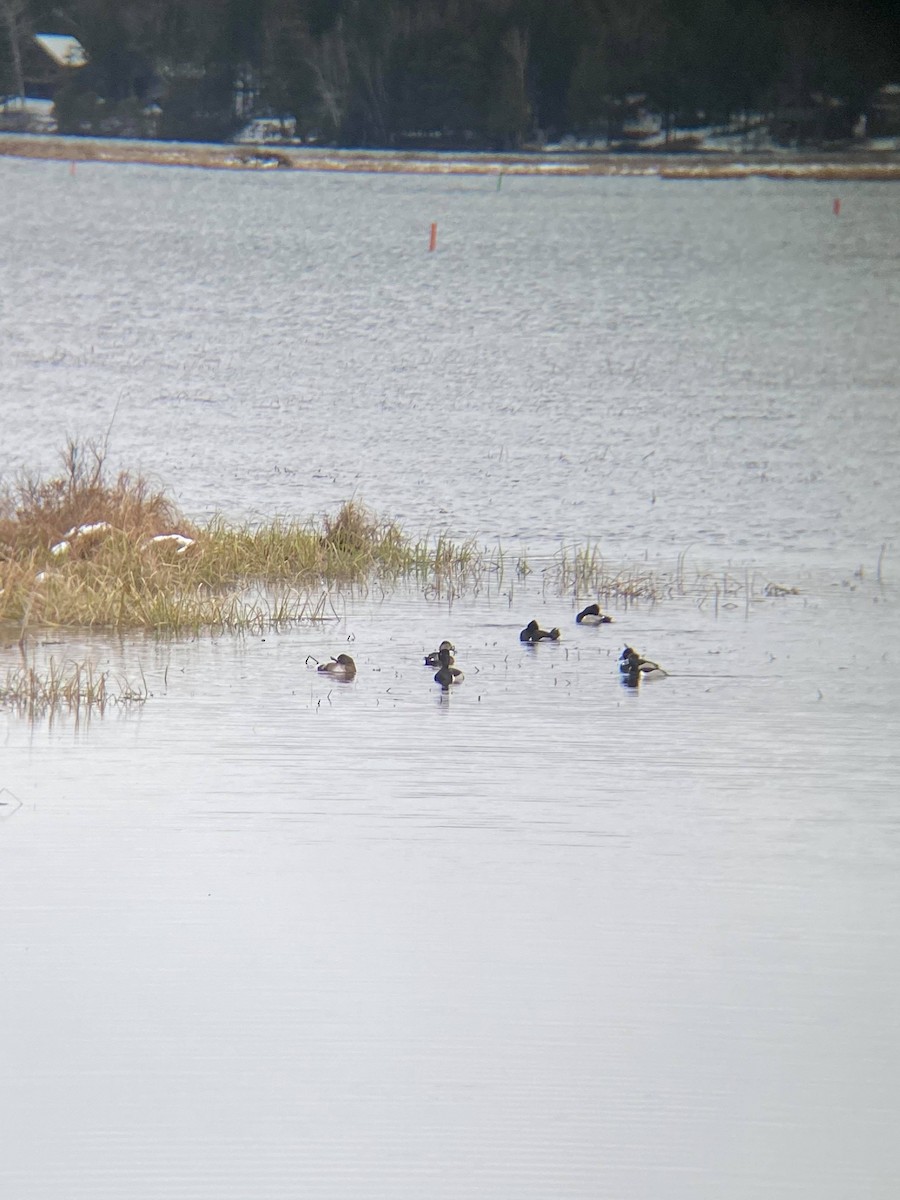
(64, 50)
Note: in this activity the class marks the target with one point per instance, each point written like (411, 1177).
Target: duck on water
(592, 616)
(634, 668)
(533, 633)
(447, 675)
(434, 658)
(342, 667)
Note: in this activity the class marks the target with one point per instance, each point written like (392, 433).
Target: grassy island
(87, 550)
(90, 550)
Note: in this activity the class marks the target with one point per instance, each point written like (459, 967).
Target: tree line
(460, 73)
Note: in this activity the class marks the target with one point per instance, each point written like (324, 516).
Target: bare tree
(330, 66)
(14, 14)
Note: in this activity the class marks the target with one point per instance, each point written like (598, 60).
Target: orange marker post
(432, 245)
(836, 207)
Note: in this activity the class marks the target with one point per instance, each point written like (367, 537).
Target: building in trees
(40, 66)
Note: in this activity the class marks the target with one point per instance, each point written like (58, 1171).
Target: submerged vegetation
(71, 687)
(583, 571)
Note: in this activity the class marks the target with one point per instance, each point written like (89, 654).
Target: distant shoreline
(862, 165)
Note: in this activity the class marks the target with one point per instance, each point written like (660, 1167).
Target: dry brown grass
(72, 687)
(707, 165)
(232, 579)
(36, 514)
(78, 550)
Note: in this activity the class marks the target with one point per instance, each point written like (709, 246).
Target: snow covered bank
(870, 165)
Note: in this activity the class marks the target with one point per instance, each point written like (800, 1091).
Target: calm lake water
(547, 937)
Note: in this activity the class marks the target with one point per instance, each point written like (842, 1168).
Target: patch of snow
(87, 530)
(31, 113)
(267, 129)
(180, 539)
(64, 50)
(30, 104)
(78, 531)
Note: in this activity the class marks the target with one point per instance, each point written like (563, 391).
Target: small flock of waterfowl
(632, 667)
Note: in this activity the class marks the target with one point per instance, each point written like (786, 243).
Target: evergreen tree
(482, 72)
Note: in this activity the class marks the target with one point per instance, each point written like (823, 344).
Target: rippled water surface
(268, 935)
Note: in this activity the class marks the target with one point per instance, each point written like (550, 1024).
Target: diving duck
(433, 659)
(342, 667)
(447, 674)
(533, 633)
(592, 616)
(631, 664)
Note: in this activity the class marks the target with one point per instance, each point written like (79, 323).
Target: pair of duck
(632, 666)
(442, 658)
(588, 616)
(343, 667)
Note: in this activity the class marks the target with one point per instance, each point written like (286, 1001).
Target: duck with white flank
(592, 616)
(433, 659)
(533, 633)
(447, 674)
(634, 668)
